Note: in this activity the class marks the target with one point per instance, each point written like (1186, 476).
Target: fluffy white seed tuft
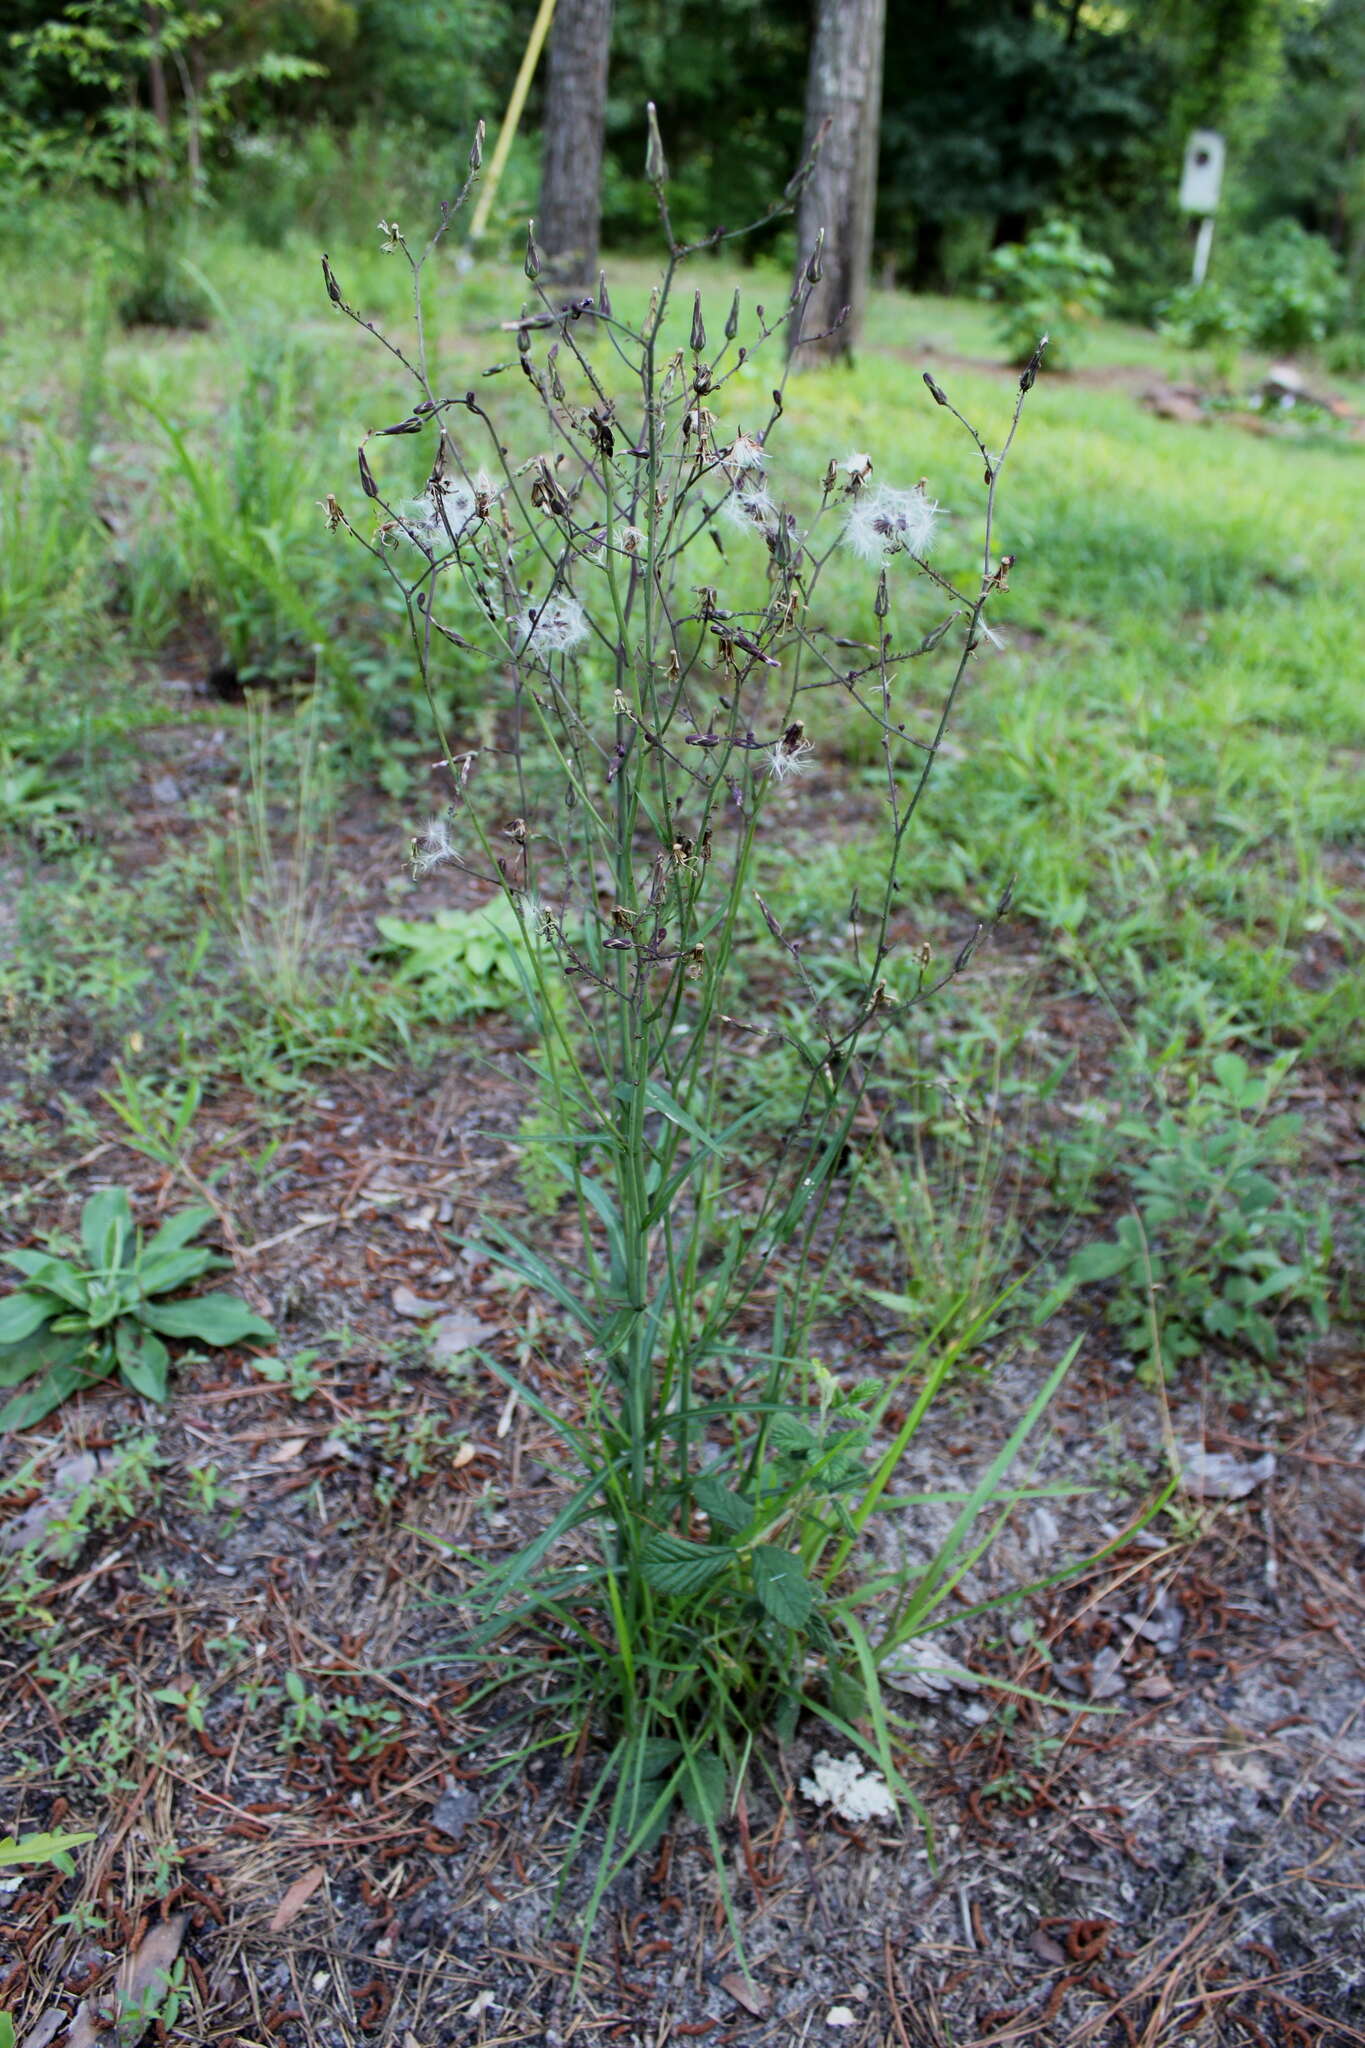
(555, 627)
(885, 522)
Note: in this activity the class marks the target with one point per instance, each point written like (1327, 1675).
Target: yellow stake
(512, 119)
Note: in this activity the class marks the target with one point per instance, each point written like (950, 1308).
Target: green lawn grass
(1165, 759)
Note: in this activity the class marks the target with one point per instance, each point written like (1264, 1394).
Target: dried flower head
(630, 539)
(857, 468)
(555, 627)
(887, 522)
(745, 454)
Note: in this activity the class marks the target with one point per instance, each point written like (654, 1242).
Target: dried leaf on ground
(1218, 1475)
(142, 1985)
(751, 1996)
(456, 1333)
(296, 1898)
(64, 1483)
(413, 1306)
(921, 1667)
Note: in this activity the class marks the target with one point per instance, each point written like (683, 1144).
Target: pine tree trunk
(844, 87)
(571, 166)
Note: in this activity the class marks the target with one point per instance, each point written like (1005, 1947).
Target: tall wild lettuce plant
(698, 1579)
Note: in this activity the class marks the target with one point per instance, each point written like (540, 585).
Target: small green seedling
(51, 1849)
(75, 1320)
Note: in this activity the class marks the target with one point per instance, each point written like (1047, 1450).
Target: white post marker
(1201, 183)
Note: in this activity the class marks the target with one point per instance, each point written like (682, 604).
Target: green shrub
(1204, 316)
(1211, 1250)
(1291, 287)
(1051, 284)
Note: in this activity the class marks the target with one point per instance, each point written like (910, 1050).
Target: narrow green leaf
(45, 1348)
(178, 1230)
(783, 1590)
(173, 1268)
(32, 1263)
(209, 1319)
(107, 1229)
(23, 1410)
(659, 1098)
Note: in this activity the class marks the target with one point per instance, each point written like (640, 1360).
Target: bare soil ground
(1183, 1862)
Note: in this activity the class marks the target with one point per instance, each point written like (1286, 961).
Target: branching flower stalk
(644, 718)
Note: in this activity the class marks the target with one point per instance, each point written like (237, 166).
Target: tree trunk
(571, 166)
(844, 88)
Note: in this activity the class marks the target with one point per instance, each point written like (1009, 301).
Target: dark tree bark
(571, 165)
(844, 88)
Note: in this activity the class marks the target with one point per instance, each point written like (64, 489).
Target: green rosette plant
(78, 1319)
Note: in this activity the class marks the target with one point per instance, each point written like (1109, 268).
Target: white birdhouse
(1202, 178)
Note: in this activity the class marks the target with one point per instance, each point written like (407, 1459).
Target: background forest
(998, 114)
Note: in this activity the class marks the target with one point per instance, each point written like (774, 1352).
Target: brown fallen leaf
(285, 1453)
(143, 1981)
(414, 1306)
(751, 1996)
(296, 1898)
(51, 2023)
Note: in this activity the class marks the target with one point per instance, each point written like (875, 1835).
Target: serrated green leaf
(208, 1319)
(1099, 1262)
(672, 1565)
(702, 1784)
(783, 1590)
(654, 1753)
(846, 1694)
(791, 1437)
(722, 1506)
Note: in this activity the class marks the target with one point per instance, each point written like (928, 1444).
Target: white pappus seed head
(444, 513)
(555, 627)
(746, 454)
(749, 506)
(432, 847)
(886, 522)
(791, 756)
